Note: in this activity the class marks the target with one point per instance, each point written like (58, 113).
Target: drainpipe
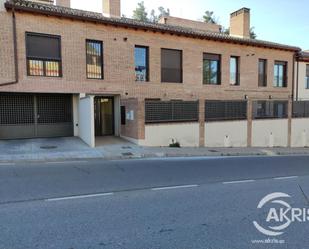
(15, 52)
(293, 79)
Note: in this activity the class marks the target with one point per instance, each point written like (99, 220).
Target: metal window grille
(264, 109)
(16, 109)
(216, 110)
(94, 57)
(300, 109)
(171, 111)
(54, 109)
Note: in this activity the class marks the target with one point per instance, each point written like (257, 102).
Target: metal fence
(265, 109)
(216, 110)
(171, 111)
(300, 109)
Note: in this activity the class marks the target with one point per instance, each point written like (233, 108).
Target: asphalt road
(150, 204)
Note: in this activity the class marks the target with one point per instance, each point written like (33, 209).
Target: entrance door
(104, 116)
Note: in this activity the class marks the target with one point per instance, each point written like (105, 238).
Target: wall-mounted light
(270, 97)
(246, 96)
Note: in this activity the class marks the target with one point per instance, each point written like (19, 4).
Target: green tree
(209, 17)
(140, 12)
(162, 12)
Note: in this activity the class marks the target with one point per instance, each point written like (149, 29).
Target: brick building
(68, 72)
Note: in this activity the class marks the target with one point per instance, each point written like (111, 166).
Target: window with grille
(171, 66)
(43, 55)
(216, 110)
(141, 56)
(264, 109)
(280, 74)
(211, 69)
(94, 57)
(171, 111)
(300, 109)
(262, 72)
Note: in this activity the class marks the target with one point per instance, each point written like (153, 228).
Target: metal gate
(35, 115)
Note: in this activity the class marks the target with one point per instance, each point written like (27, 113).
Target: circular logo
(275, 199)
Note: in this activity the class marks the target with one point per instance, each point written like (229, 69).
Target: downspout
(15, 52)
(293, 79)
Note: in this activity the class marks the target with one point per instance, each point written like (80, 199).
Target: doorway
(104, 116)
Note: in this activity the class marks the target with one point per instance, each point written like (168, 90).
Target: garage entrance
(35, 115)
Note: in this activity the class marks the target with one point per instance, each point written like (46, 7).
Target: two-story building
(69, 72)
(302, 76)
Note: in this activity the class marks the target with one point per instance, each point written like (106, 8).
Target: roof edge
(65, 12)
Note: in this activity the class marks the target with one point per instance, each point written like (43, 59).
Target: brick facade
(119, 76)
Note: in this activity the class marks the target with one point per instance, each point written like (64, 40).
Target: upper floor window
(141, 63)
(307, 76)
(234, 71)
(171, 65)
(43, 55)
(262, 72)
(280, 74)
(211, 69)
(94, 59)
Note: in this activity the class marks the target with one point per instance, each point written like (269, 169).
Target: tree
(140, 12)
(209, 17)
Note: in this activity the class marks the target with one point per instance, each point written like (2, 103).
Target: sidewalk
(55, 149)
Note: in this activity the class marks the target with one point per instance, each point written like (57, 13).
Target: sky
(282, 21)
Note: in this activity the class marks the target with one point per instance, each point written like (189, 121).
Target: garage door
(35, 115)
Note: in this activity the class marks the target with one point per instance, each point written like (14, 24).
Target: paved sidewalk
(55, 149)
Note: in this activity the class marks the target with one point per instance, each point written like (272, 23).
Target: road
(185, 203)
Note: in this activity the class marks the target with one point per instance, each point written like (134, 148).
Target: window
(123, 114)
(94, 59)
(307, 76)
(262, 72)
(43, 55)
(234, 71)
(280, 74)
(171, 65)
(211, 69)
(141, 63)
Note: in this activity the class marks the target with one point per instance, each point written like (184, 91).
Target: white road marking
(285, 177)
(175, 187)
(65, 162)
(78, 197)
(243, 181)
(7, 164)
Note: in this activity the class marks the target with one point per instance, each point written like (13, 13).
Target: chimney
(111, 8)
(240, 23)
(64, 3)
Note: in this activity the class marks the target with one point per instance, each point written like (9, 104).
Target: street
(173, 203)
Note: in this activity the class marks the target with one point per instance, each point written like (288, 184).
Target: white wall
(303, 93)
(300, 132)
(76, 114)
(187, 134)
(270, 133)
(86, 120)
(226, 134)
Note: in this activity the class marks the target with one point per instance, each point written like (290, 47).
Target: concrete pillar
(202, 123)
(249, 121)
